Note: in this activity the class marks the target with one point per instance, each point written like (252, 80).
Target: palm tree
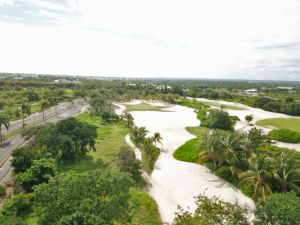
(258, 175)
(288, 174)
(25, 110)
(213, 149)
(138, 134)
(129, 119)
(4, 121)
(157, 138)
(44, 105)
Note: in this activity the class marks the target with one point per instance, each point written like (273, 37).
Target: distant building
(252, 91)
(286, 88)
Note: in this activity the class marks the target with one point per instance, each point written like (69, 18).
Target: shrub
(40, 172)
(279, 209)
(284, 135)
(2, 191)
(16, 205)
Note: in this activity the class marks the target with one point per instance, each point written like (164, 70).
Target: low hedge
(284, 135)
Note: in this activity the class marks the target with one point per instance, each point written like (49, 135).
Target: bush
(40, 172)
(16, 205)
(219, 119)
(279, 209)
(284, 135)
(213, 211)
(2, 191)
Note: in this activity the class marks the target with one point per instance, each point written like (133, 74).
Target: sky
(232, 39)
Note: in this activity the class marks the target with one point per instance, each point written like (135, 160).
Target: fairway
(281, 123)
(144, 107)
(214, 104)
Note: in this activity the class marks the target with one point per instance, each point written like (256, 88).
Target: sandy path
(174, 182)
(258, 114)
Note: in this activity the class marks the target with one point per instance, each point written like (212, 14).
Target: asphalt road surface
(60, 112)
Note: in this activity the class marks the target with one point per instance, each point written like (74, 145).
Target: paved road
(38, 117)
(64, 110)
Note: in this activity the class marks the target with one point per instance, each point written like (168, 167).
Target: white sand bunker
(174, 182)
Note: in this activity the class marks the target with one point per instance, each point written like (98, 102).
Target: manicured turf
(190, 150)
(198, 131)
(144, 107)
(281, 123)
(214, 104)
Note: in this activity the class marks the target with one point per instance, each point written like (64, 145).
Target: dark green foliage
(16, 205)
(145, 144)
(219, 119)
(213, 211)
(278, 209)
(68, 140)
(23, 157)
(40, 171)
(2, 191)
(128, 163)
(32, 96)
(96, 197)
(11, 220)
(282, 106)
(284, 135)
(101, 106)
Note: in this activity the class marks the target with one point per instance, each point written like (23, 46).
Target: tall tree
(128, 119)
(4, 122)
(97, 197)
(44, 105)
(287, 174)
(157, 138)
(258, 176)
(25, 110)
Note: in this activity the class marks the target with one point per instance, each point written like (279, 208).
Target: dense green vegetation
(46, 183)
(279, 209)
(147, 145)
(240, 159)
(284, 135)
(213, 211)
(52, 173)
(281, 123)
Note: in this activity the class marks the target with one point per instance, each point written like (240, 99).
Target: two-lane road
(63, 111)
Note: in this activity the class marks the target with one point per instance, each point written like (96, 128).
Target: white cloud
(245, 39)
(6, 2)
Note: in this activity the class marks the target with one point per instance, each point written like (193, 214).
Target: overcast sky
(248, 39)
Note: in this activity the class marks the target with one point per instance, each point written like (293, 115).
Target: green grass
(281, 123)
(111, 137)
(214, 104)
(144, 107)
(143, 209)
(284, 135)
(190, 150)
(198, 131)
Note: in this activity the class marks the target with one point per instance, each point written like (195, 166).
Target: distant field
(281, 123)
(214, 104)
(144, 107)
